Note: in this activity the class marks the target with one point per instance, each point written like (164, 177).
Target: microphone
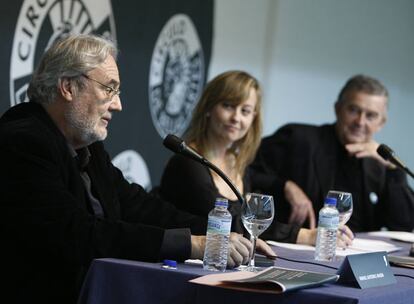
(388, 154)
(177, 145)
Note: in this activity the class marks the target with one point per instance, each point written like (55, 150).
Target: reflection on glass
(258, 211)
(343, 204)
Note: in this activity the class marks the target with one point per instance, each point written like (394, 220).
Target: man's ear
(65, 88)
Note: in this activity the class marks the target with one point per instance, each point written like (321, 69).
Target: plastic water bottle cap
(331, 201)
(221, 202)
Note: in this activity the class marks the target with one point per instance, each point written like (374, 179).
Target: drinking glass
(257, 214)
(343, 204)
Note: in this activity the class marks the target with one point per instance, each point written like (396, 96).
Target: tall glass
(257, 214)
(344, 205)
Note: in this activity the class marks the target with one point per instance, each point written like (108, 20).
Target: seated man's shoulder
(303, 137)
(303, 128)
(20, 128)
(24, 131)
(298, 130)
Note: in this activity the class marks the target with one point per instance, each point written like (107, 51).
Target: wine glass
(343, 204)
(257, 214)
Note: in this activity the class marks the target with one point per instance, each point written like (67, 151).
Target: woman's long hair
(234, 88)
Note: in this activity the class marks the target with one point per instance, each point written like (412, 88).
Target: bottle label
(218, 225)
(329, 222)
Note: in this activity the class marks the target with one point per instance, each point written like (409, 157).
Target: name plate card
(367, 270)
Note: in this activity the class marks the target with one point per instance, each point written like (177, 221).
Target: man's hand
(308, 236)
(301, 205)
(263, 248)
(198, 244)
(240, 256)
(368, 149)
(239, 250)
(344, 237)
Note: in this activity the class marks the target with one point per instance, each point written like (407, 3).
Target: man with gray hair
(63, 203)
(311, 160)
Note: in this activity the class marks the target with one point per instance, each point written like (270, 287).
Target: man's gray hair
(362, 83)
(69, 58)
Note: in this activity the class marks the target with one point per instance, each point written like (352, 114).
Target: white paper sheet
(366, 245)
(395, 235)
(359, 246)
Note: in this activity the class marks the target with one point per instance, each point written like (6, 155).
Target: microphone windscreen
(173, 143)
(385, 152)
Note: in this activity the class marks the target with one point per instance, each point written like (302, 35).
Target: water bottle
(218, 234)
(327, 229)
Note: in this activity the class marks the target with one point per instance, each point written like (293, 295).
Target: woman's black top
(190, 186)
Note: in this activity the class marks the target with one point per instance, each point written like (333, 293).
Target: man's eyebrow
(114, 82)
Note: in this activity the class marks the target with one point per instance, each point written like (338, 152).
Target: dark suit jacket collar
(33, 110)
(38, 111)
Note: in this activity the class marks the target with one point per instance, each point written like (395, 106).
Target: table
(124, 282)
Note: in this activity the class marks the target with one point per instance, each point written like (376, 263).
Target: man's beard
(83, 128)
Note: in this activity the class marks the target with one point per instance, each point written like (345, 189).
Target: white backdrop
(303, 52)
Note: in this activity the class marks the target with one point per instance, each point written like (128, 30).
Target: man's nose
(116, 104)
(362, 118)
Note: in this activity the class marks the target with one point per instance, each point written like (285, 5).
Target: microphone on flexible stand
(178, 145)
(388, 154)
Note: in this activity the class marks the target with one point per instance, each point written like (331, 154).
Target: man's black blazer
(49, 234)
(308, 154)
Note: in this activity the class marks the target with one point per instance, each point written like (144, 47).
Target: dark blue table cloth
(117, 281)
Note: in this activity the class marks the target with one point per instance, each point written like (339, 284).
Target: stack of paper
(395, 235)
(365, 245)
(358, 246)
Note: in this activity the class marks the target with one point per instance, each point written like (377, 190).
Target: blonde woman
(226, 129)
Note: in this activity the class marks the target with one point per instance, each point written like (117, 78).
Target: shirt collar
(81, 156)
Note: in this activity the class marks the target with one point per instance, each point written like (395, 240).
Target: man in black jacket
(63, 203)
(342, 156)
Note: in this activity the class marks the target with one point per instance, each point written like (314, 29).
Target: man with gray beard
(63, 203)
